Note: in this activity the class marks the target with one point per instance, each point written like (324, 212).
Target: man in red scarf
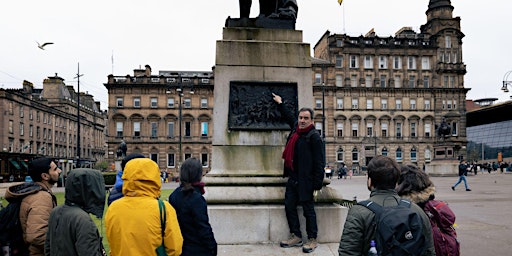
(304, 161)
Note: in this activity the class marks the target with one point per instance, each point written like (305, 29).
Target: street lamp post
(180, 117)
(78, 75)
(506, 82)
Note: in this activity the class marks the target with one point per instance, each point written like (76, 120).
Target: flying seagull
(41, 46)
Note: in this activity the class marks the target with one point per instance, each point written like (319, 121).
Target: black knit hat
(130, 157)
(39, 166)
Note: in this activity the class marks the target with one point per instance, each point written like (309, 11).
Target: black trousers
(291, 202)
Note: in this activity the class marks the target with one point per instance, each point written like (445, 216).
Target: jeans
(462, 178)
(291, 202)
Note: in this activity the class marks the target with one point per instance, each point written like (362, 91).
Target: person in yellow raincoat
(133, 222)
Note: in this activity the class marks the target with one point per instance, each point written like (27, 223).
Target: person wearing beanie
(137, 214)
(192, 211)
(71, 231)
(116, 192)
(37, 202)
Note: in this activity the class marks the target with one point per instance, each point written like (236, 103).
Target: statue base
(260, 22)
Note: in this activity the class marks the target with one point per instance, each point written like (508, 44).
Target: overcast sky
(181, 35)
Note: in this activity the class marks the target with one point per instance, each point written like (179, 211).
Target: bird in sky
(41, 46)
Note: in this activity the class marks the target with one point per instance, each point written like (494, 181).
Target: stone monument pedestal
(245, 188)
(444, 163)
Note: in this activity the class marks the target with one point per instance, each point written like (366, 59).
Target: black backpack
(11, 234)
(399, 229)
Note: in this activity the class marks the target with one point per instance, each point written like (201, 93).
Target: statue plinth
(444, 162)
(245, 184)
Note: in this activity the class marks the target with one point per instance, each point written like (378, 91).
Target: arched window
(339, 155)
(427, 155)
(355, 155)
(399, 155)
(414, 157)
(384, 151)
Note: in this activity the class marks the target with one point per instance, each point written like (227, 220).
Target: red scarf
(290, 146)
(199, 185)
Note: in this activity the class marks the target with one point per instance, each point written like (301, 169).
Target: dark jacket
(358, 230)
(35, 210)
(308, 159)
(71, 231)
(195, 227)
(463, 170)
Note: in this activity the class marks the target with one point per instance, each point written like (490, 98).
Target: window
(399, 130)
(412, 104)
(339, 43)
(383, 81)
(368, 81)
(188, 129)
(411, 62)
(412, 82)
(369, 129)
(355, 155)
(119, 102)
(448, 41)
(204, 103)
(398, 81)
(170, 102)
(339, 81)
(425, 63)
(384, 104)
(22, 128)
(452, 81)
(30, 114)
(37, 115)
(136, 129)
(204, 129)
(11, 124)
(339, 155)
(30, 130)
(136, 102)
(187, 156)
(119, 129)
(154, 102)
(355, 128)
(170, 129)
(454, 104)
(413, 130)
(426, 82)
(318, 126)
(398, 104)
(384, 151)
(318, 78)
(413, 155)
(399, 155)
(353, 61)
(204, 159)
(449, 104)
(384, 130)
(427, 155)
(187, 103)
(444, 104)
(353, 80)
(339, 103)
(427, 130)
(154, 157)
(427, 104)
(339, 129)
(355, 104)
(154, 129)
(171, 160)
(397, 62)
(454, 128)
(368, 62)
(318, 103)
(383, 62)
(339, 61)
(369, 104)
(22, 113)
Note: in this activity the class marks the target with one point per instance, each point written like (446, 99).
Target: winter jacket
(35, 211)
(133, 222)
(71, 231)
(358, 230)
(308, 159)
(198, 239)
(117, 191)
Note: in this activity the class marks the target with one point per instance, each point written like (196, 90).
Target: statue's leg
(245, 8)
(268, 7)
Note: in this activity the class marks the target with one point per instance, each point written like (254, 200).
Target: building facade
(43, 122)
(166, 117)
(387, 95)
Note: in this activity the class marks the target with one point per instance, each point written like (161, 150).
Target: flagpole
(343, 16)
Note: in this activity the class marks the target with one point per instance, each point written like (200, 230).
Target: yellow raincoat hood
(141, 177)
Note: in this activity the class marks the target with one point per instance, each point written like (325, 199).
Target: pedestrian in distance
(36, 207)
(191, 208)
(142, 215)
(71, 231)
(360, 230)
(304, 162)
(463, 172)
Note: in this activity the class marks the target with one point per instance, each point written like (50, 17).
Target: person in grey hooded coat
(71, 231)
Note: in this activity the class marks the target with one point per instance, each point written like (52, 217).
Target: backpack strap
(163, 217)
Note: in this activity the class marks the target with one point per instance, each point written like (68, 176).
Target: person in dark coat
(191, 208)
(304, 161)
(71, 231)
(463, 172)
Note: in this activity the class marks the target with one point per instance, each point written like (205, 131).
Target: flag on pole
(340, 1)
